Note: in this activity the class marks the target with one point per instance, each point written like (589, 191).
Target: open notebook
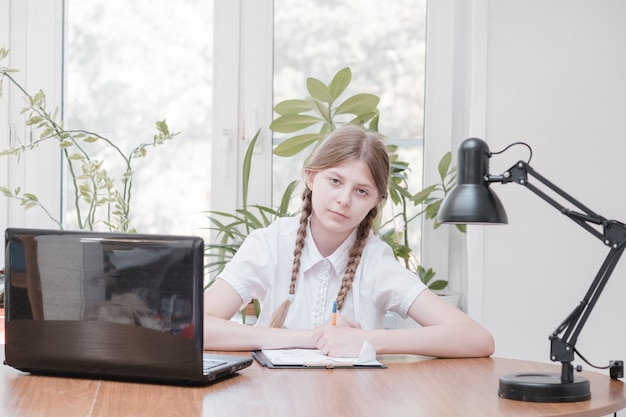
(108, 305)
(313, 358)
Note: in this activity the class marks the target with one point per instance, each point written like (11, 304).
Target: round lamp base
(543, 387)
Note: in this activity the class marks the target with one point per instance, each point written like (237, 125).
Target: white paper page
(314, 357)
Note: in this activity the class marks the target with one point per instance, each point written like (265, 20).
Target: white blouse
(261, 269)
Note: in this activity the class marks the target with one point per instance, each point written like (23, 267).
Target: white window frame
(32, 30)
(456, 79)
(242, 101)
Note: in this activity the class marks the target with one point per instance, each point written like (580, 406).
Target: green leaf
(402, 251)
(76, 157)
(33, 120)
(38, 98)
(257, 307)
(27, 204)
(374, 123)
(45, 133)
(163, 128)
(31, 197)
(420, 197)
(251, 220)
(361, 119)
(267, 214)
(284, 202)
(319, 90)
(358, 104)
(247, 166)
(320, 108)
(438, 285)
(5, 191)
(85, 190)
(426, 276)
(405, 193)
(451, 179)
(296, 144)
(433, 209)
(340, 82)
(290, 123)
(444, 165)
(295, 106)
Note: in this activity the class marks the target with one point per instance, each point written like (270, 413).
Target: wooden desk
(410, 386)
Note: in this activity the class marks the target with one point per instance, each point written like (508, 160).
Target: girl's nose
(344, 198)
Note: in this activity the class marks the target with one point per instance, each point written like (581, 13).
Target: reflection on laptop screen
(106, 279)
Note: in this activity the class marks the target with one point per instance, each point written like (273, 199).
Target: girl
(298, 268)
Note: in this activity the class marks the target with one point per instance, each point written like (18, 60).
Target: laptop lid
(107, 305)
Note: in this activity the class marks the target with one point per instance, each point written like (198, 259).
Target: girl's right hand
(342, 321)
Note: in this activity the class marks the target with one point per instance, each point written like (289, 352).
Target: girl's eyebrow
(361, 185)
(366, 185)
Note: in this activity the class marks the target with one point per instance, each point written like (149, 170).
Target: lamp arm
(520, 172)
(564, 338)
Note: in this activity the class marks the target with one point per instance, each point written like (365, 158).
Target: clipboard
(310, 359)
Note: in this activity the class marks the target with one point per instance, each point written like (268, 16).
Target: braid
(297, 252)
(362, 234)
(278, 319)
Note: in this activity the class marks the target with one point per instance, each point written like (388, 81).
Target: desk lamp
(472, 201)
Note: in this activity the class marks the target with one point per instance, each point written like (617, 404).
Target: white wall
(556, 79)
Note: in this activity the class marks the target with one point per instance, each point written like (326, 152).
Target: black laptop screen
(102, 300)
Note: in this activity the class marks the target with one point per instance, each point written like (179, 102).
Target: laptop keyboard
(208, 364)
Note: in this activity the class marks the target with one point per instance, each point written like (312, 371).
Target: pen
(334, 316)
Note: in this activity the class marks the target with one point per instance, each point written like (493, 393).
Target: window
(130, 64)
(383, 43)
(176, 57)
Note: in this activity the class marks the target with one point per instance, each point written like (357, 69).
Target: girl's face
(342, 197)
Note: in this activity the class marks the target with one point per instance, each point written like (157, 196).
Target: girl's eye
(334, 181)
(361, 192)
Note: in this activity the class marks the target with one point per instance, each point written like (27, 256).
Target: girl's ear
(309, 179)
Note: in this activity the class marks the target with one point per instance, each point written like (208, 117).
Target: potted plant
(98, 198)
(309, 120)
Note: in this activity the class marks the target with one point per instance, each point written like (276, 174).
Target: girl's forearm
(221, 334)
(450, 341)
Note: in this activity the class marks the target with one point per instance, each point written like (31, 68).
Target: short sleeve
(386, 282)
(261, 268)
(249, 270)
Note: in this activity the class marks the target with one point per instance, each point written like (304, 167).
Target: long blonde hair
(348, 143)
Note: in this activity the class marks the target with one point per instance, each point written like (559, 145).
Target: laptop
(108, 306)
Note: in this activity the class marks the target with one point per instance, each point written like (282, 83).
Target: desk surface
(410, 386)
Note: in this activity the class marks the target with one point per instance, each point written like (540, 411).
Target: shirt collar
(338, 259)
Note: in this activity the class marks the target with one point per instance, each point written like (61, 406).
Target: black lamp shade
(472, 200)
